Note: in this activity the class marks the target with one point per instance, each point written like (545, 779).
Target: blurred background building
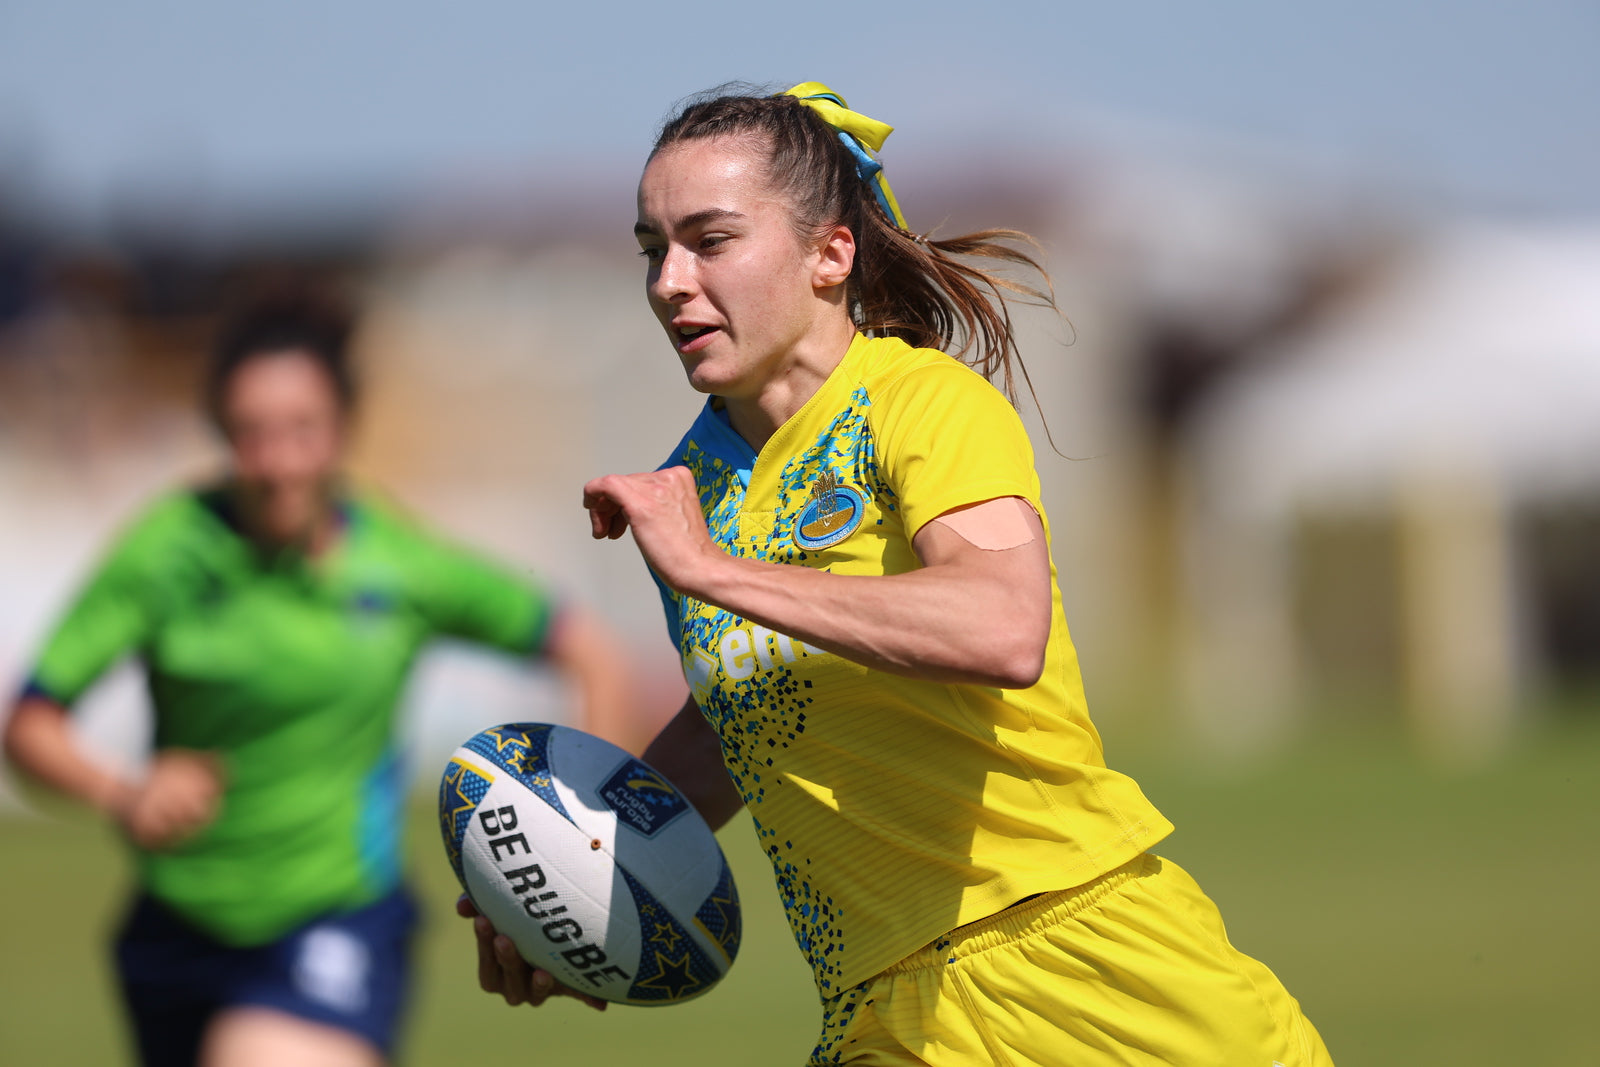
(1324, 402)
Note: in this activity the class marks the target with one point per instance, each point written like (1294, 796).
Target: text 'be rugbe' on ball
(596, 868)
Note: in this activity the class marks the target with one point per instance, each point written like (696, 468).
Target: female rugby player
(277, 613)
(856, 567)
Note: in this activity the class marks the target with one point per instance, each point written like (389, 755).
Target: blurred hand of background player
(501, 970)
(178, 798)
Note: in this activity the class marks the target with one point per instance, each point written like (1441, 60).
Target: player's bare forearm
(177, 796)
(970, 615)
(40, 742)
(688, 753)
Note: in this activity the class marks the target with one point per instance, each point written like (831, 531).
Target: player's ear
(836, 257)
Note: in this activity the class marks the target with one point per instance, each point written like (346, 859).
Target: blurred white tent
(1462, 387)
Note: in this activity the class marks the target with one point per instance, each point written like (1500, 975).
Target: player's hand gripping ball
(596, 868)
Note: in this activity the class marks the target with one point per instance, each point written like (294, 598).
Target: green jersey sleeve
(112, 615)
(462, 594)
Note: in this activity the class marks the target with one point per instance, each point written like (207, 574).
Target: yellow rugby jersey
(893, 810)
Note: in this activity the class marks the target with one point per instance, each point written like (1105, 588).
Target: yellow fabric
(892, 809)
(869, 132)
(1131, 970)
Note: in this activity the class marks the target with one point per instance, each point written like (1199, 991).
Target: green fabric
(291, 669)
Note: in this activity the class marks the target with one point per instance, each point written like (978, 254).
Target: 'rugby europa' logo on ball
(642, 798)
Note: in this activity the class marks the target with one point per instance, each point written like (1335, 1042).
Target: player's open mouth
(690, 338)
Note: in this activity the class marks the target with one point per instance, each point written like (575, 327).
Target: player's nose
(674, 280)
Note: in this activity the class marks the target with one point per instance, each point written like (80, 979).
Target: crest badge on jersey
(833, 512)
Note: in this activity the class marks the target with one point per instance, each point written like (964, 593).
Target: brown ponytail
(920, 289)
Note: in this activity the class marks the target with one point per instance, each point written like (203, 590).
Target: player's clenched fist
(663, 509)
(178, 798)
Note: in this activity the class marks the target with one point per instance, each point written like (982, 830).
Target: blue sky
(1492, 104)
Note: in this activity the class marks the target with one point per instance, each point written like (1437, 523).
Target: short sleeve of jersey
(111, 616)
(461, 594)
(947, 438)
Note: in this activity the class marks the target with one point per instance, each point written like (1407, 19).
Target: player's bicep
(996, 525)
(994, 538)
(996, 550)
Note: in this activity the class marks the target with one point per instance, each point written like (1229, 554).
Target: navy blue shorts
(346, 969)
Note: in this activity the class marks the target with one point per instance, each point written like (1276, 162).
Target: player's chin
(718, 377)
(703, 378)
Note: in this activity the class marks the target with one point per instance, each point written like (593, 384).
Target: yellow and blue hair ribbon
(860, 134)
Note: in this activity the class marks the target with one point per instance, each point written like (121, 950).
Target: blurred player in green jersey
(277, 613)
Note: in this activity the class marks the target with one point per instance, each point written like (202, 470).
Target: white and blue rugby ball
(591, 862)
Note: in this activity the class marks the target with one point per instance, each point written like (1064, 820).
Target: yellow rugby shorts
(1133, 968)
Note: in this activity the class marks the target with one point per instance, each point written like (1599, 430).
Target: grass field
(1421, 917)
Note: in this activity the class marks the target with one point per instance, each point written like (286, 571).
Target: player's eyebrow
(695, 218)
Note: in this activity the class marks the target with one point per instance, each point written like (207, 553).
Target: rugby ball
(591, 862)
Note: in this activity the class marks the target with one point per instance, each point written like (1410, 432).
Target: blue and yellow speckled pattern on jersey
(892, 809)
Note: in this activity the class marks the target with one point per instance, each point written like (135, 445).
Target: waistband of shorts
(148, 916)
(1037, 912)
